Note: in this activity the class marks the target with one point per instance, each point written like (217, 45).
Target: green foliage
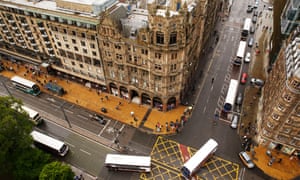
(15, 131)
(17, 157)
(56, 171)
(30, 163)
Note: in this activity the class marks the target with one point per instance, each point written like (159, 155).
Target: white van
(234, 122)
(246, 159)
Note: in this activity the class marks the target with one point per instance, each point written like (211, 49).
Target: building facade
(280, 126)
(290, 17)
(146, 55)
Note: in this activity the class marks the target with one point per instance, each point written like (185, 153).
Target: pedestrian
(81, 177)
(120, 103)
(212, 80)
(106, 97)
(101, 99)
(279, 160)
(167, 127)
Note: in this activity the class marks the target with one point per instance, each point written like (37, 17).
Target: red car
(244, 78)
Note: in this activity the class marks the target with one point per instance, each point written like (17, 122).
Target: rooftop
(66, 6)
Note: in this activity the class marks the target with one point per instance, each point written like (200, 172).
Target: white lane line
(107, 123)
(54, 105)
(82, 117)
(85, 152)
(69, 144)
(71, 112)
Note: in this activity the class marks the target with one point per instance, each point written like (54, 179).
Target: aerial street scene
(150, 89)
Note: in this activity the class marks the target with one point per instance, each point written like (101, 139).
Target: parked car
(255, 13)
(257, 82)
(246, 159)
(244, 78)
(270, 8)
(99, 118)
(252, 29)
(239, 99)
(248, 57)
(249, 9)
(234, 122)
(250, 42)
(254, 19)
(255, 5)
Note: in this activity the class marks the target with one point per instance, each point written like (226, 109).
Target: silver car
(239, 99)
(257, 82)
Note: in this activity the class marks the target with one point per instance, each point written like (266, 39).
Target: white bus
(231, 95)
(128, 162)
(49, 143)
(34, 116)
(199, 158)
(26, 85)
(246, 27)
(240, 53)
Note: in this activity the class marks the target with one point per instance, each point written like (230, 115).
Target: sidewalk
(283, 167)
(143, 117)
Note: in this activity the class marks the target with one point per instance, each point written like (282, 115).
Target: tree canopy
(56, 171)
(17, 157)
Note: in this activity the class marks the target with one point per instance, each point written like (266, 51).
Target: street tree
(15, 131)
(18, 158)
(56, 171)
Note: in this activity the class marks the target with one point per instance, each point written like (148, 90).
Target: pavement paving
(283, 166)
(143, 117)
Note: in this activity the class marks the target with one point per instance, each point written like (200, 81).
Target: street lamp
(65, 116)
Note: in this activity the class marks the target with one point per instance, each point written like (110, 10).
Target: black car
(249, 9)
(100, 119)
(255, 13)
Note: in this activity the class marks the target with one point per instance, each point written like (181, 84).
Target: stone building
(146, 55)
(280, 127)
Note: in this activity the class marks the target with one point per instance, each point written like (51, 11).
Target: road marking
(54, 105)
(51, 99)
(204, 109)
(85, 152)
(83, 117)
(69, 144)
(71, 112)
(104, 128)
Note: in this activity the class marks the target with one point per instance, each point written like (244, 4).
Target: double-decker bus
(49, 143)
(26, 85)
(199, 158)
(231, 95)
(128, 162)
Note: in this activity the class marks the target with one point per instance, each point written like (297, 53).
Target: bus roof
(231, 94)
(128, 160)
(32, 113)
(47, 140)
(205, 150)
(247, 24)
(241, 49)
(21, 80)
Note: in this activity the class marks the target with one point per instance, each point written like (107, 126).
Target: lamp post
(65, 116)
